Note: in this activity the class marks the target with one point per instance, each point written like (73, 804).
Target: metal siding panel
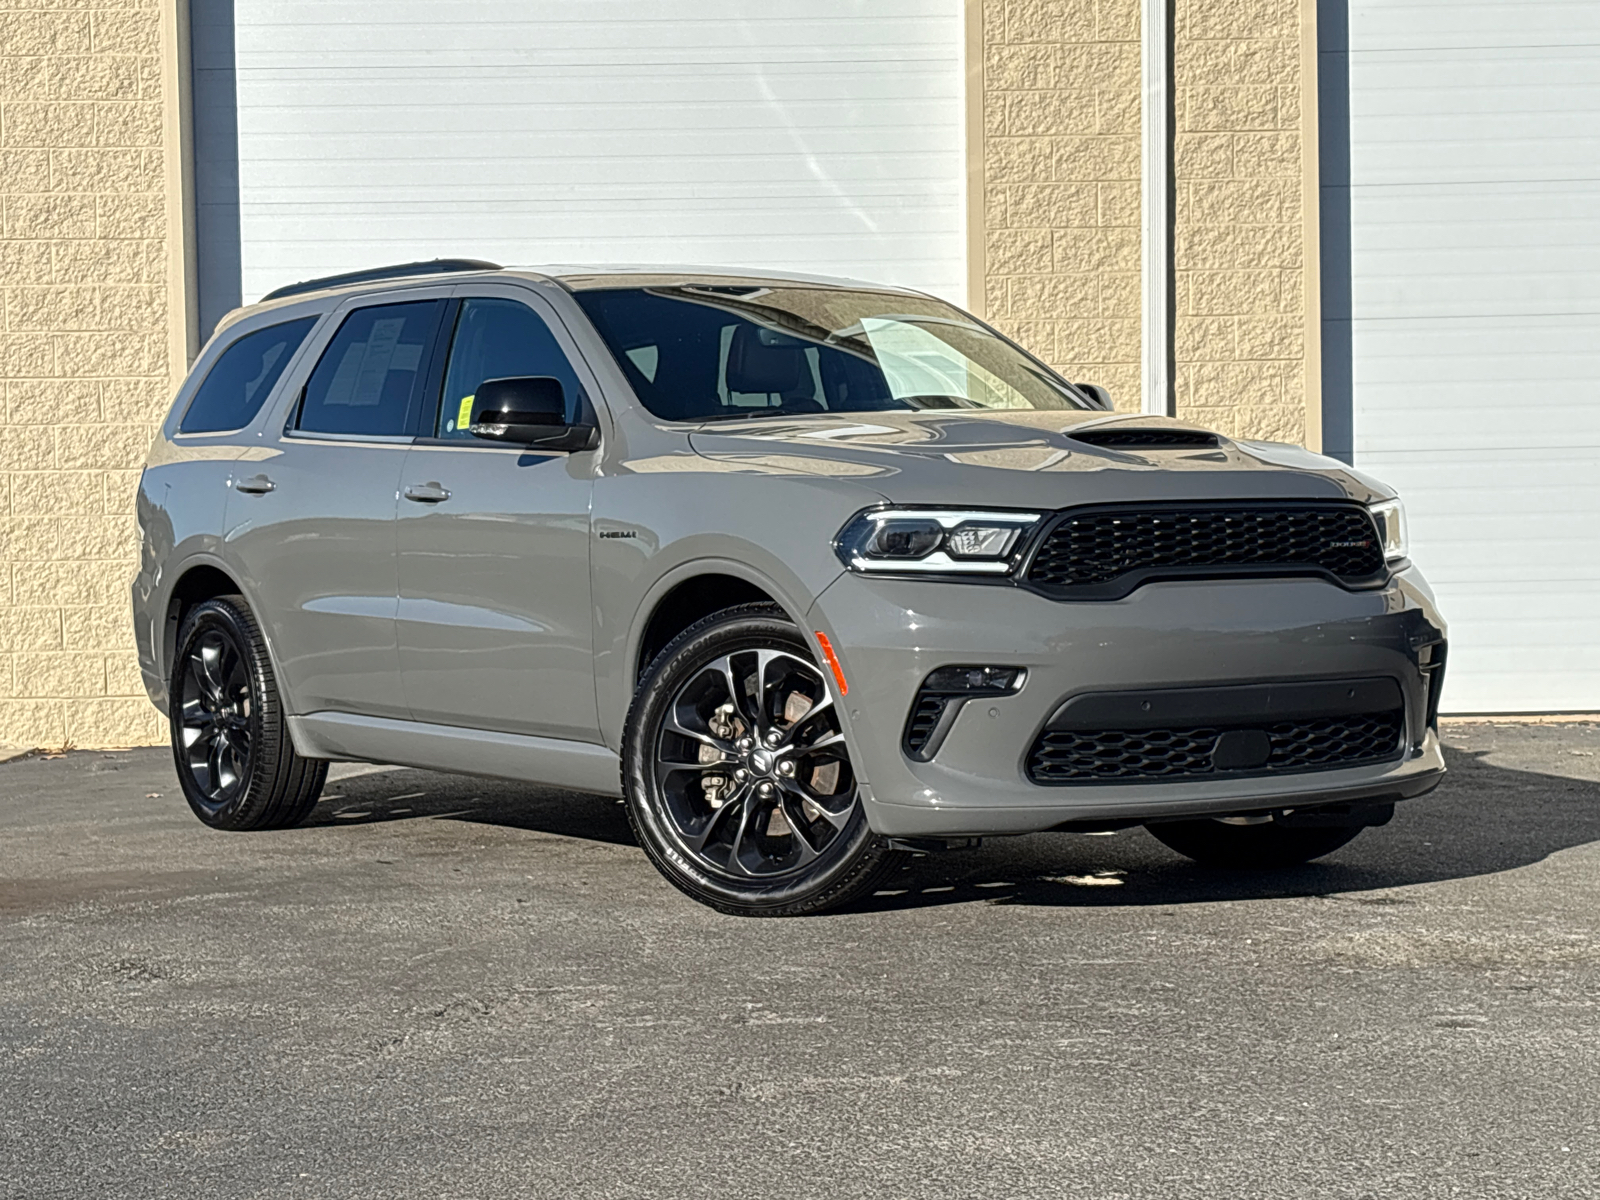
(1475, 325)
(817, 135)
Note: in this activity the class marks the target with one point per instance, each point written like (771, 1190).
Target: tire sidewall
(746, 628)
(220, 616)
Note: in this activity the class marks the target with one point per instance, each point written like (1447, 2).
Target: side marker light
(832, 660)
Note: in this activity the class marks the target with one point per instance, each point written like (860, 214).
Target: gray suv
(812, 573)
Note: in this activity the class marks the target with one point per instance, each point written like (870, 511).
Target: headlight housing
(1390, 517)
(935, 540)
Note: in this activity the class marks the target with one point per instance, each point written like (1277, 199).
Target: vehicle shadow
(405, 794)
(1482, 820)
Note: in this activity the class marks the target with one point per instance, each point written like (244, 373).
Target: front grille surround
(1105, 552)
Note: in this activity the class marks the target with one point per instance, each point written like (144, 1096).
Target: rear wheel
(236, 764)
(1218, 843)
(737, 776)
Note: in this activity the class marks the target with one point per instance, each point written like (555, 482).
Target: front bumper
(890, 633)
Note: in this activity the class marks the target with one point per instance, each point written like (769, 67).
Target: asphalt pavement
(452, 987)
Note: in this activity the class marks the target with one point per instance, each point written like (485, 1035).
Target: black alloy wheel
(738, 777)
(236, 765)
(214, 713)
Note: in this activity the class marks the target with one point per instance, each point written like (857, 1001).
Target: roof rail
(437, 266)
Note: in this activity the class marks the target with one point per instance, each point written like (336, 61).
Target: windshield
(702, 353)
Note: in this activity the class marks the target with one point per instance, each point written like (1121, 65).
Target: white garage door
(816, 135)
(1475, 267)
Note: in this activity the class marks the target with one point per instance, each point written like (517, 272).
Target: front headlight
(1390, 516)
(943, 541)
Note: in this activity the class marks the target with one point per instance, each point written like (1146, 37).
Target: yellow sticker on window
(464, 414)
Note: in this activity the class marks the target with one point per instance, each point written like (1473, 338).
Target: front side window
(369, 379)
(240, 381)
(697, 352)
(498, 339)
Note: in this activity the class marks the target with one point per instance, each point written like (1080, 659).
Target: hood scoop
(1121, 437)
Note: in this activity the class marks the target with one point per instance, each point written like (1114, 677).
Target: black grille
(1112, 549)
(1132, 755)
(925, 714)
(1146, 439)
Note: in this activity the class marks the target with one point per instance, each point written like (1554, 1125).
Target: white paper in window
(406, 356)
(375, 364)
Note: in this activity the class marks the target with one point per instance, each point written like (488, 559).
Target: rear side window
(240, 381)
(369, 379)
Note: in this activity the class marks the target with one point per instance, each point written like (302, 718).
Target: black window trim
(438, 363)
(291, 427)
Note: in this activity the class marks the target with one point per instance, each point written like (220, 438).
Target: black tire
(718, 846)
(1250, 847)
(230, 743)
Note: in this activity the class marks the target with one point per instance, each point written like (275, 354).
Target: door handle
(256, 485)
(427, 493)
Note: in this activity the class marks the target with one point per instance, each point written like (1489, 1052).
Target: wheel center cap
(761, 762)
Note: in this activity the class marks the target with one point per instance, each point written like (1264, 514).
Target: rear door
(495, 623)
(313, 526)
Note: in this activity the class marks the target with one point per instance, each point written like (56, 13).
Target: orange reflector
(832, 660)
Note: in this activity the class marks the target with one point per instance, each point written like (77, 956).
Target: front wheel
(1216, 843)
(736, 774)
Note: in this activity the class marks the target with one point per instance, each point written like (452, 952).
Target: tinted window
(239, 382)
(498, 339)
(697, 352)
(369, 379)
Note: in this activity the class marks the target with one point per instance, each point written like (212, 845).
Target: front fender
(653, 532)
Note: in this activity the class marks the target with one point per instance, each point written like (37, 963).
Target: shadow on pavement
(405, 794)
(1484, 819)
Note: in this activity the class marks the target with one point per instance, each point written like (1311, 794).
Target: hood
(1026, 459)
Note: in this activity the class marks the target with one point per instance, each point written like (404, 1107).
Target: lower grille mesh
(1112, 755)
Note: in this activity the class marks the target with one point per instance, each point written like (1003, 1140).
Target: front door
(312, 523)
(494, 620)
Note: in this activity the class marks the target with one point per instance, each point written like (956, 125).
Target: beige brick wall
(1061, 184)
(1061, 200)
(1239, 244)
(83, 360)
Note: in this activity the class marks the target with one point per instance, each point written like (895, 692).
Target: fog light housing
(973, 681)
(941, 696)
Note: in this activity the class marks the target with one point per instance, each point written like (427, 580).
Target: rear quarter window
(242, 378)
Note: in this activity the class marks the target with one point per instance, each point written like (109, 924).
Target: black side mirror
(527, 410)
(1096, 393)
